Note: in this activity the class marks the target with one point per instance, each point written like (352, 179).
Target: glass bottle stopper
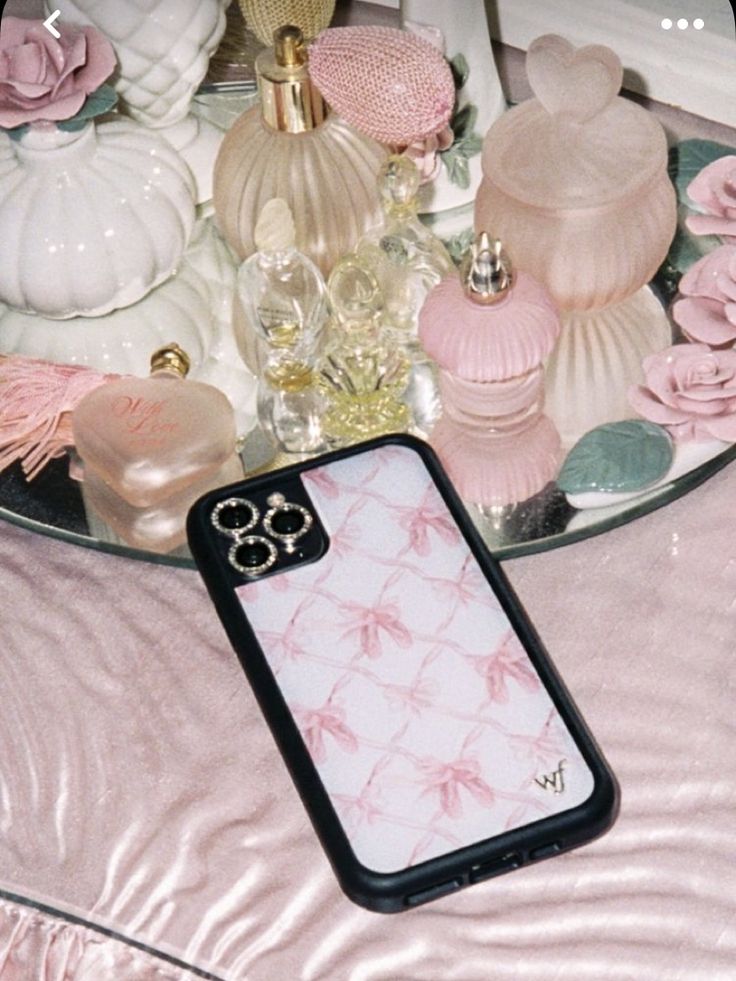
(172, 358)
(485, 271)
(398, 185)
(275, 230)
(355, 295)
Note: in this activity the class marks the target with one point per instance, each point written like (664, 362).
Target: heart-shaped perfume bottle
(148, 438)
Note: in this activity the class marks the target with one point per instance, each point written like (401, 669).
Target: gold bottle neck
(172, 360)
(290, 102)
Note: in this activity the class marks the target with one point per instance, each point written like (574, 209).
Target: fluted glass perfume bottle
(283, 299)
(292, 147)
(363, 373)
(150, 438)
(402, 253)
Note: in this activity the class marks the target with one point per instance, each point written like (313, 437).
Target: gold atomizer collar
(290, 101)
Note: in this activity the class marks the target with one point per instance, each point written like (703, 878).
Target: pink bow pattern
(446, 780)
(369, 623)
(418, 523)
(314, 724)
(508, 661)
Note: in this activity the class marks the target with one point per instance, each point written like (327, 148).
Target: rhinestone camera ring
(259, 546)
(225, 525)
(276, 523)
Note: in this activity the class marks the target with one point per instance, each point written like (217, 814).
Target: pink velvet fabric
(141, 790)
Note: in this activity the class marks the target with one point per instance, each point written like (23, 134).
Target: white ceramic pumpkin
(90, 221)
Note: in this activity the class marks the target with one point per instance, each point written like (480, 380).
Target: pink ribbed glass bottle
(490, 330)
(575, 180)
(292, 147)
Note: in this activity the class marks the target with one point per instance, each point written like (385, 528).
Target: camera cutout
(270, 529)
(286, 521)
(252, 555)
(234, 516)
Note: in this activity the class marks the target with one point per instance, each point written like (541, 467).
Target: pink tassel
(36, 402)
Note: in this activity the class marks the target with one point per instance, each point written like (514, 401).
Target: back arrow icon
(49, 22)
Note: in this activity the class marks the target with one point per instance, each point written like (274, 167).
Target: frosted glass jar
(575, 181)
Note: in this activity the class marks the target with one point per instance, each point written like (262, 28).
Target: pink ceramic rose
(707, 310)
(714, 189)
(691, 390)
(45, 79)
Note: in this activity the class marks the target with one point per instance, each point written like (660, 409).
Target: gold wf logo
(553, 781)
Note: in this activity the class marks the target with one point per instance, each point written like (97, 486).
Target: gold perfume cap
(171, 357)
(288, 47)
(485, 271)
(290, 101)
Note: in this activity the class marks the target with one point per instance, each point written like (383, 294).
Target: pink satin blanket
(141, 792)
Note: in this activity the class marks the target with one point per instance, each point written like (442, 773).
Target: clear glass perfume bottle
(149, 438)
(402, 253)
(283, 299)
(291, 146)
(363, 373)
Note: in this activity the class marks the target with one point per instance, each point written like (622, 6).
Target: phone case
(430, 738)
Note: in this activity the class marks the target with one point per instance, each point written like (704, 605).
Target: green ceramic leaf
(457, 168)
(460, 70)
(102, 100)
(470, 146)
(688, 158)
(17, 132)
(463, 122)
(459, 244)
(617, 457)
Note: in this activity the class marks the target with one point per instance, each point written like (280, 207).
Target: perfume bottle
(283, 299)
(160, 528)
(363, 373)
(490, 329)
(150, 438)
(402, 253)
(292, 146)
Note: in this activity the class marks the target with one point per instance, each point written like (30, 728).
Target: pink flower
(714, 189)
(707, 312)
(691, 390)
(42, 78)
(369, 623)
(314, 724)
(446, 779)
(425, 153)
(508, 662)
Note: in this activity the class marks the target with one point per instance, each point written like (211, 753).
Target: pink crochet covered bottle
(575, 180)
(390, 84)
(490, 330)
